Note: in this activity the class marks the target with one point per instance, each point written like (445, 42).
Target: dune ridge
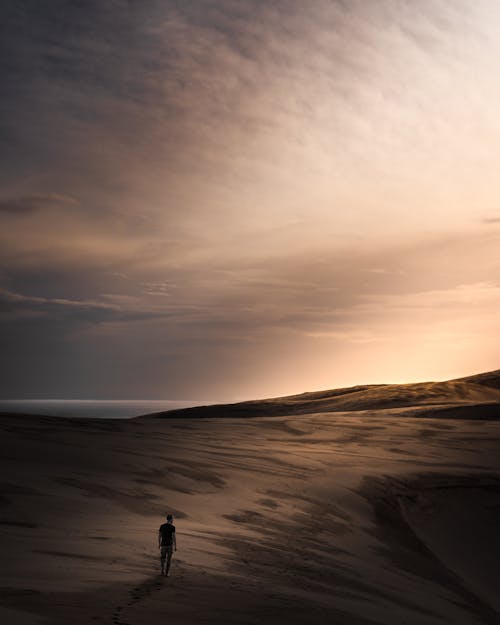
(472, 391)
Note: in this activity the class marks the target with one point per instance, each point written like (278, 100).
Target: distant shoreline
(92, 408)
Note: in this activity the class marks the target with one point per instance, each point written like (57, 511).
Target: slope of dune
(290, 520)
(482, 389)
(490, 378)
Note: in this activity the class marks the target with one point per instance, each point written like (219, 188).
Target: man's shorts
(166, 550)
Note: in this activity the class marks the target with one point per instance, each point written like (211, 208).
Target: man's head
(170, 518)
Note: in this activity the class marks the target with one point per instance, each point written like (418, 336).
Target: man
(166, 542)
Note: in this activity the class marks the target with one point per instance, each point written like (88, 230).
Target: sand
(346, 517)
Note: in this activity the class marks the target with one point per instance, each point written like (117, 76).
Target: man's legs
(169, 558)
(163, 553)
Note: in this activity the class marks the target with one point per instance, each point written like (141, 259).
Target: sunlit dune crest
(477, 390)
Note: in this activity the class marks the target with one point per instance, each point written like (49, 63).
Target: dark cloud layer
(30, 203)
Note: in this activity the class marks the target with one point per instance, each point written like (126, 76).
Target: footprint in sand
(136, 595)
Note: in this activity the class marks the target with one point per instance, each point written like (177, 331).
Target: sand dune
(490, 378)
(484, 388)
(346, 516)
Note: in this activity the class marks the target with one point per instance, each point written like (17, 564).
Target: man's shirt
(167, 531)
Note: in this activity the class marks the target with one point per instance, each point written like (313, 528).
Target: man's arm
(159, 540)
(174, 540)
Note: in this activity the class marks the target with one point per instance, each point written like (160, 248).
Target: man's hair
(170, 517)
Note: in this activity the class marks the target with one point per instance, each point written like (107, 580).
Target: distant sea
(100, 409)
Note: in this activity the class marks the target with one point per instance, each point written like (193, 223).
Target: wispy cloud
(106, 308)
(36, 201)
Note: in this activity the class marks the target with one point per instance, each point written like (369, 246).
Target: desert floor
(346, 518)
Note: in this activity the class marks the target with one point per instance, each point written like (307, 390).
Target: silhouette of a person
(167, 543)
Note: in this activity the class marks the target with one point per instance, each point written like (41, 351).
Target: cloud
(25, 305)
(163, 289)
(462, 301)
(34, 202)
(106, 308)
(382, 271)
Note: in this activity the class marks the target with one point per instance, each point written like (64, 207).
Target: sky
(231, 199)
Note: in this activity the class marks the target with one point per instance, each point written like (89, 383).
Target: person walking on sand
(166, 543)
